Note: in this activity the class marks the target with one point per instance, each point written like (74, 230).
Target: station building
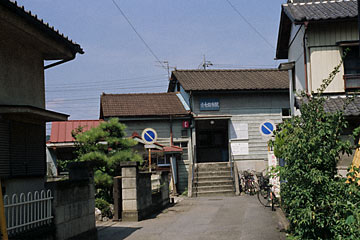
(227, 110)
(213, 115)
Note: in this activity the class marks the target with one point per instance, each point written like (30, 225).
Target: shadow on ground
(116, 232)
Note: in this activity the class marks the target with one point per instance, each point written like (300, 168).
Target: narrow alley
(203, 218)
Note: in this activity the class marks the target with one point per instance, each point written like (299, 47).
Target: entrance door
(212, 140)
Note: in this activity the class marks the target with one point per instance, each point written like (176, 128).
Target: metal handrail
(234, 171)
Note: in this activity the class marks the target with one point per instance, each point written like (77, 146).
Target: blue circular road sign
(149, 135)
(267, 128)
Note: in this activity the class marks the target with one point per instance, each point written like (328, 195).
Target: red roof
(61, 131)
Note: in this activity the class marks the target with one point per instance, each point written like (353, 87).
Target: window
(352, 67)
(163, 161)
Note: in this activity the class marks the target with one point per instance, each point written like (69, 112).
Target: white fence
(26, 212)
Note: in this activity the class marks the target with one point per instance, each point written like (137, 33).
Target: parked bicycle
(264, 192)
(248, 183)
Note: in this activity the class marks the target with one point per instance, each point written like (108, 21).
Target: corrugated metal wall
(325, 54)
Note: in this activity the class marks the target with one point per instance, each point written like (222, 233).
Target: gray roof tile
(244, 79)
(141, 104)
(321, 10)
(335, 104)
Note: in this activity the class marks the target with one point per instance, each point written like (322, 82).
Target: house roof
(61, 132)
(300, 11)
(32, 112)
(244, 79)
(320, 10)
(140, 105)
(335, 104)
(39, 24)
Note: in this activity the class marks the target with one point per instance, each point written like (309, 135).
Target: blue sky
(180, 32)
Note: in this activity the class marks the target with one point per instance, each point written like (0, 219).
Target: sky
(180, 32)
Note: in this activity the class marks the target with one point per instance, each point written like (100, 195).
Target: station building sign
(209, 104)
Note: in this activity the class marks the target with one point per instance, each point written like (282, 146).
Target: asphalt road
(202, 219)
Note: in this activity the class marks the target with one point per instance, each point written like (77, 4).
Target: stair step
(213, 183)
(213, 174)
(214, 188)
(218, 169)
(212, 178)
(215, 193)
(201, 166)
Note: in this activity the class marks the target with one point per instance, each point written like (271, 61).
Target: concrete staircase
(213, 179)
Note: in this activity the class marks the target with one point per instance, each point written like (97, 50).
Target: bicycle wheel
(264, 197)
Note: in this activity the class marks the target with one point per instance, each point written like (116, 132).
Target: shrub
(104, 207)
(319, 204)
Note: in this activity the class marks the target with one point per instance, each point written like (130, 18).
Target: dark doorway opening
(212, 140)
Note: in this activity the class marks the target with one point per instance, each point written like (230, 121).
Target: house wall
(322, 41)
(250, 110)
(22, 185)
(22, 74)
(296, 54)
(162, 127)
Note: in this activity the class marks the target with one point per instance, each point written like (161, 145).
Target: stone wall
(138, 200)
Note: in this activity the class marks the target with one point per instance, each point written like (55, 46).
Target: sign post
(149, 136)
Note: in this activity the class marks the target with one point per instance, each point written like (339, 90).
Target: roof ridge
(317, 2)
(227, 70)
(133, 94)
(79, 120)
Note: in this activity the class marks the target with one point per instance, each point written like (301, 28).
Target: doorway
(212, 140)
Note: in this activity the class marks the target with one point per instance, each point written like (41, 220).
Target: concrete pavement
(207, 218)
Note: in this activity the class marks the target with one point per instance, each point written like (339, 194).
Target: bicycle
(265, 194)
(248, 183)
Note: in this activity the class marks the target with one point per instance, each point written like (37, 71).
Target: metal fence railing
(29, 211)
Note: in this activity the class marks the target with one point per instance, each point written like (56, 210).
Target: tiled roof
(334, 104)
(141, 104)
(61, 131)
(244, 79)
(301, 11)
(40, 24)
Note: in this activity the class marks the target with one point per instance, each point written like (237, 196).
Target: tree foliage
(104, 148)
(319, 204)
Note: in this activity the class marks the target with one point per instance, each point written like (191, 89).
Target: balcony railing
(352, 81)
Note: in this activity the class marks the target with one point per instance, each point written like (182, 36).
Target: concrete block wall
(74, 206)
(138, 201)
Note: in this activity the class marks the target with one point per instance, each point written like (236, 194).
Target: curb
(283, 223)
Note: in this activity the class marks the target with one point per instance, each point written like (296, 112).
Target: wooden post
(149, 160)
(4, 235)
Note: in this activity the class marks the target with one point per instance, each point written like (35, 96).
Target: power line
(102, 89)
(107, 81)
(101, 84)
(253, 28)
(137, 33)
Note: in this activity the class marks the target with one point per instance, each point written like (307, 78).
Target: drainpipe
(305, 58)
(171, 132)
